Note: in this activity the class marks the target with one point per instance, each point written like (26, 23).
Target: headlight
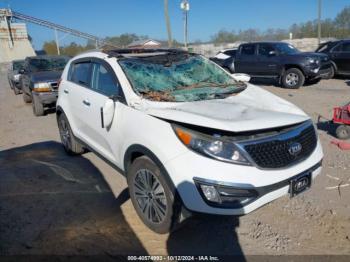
(16, 77)
(42, 87)
(313, 60)
(211, 146)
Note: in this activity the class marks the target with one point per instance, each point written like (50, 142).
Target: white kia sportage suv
(186, 134)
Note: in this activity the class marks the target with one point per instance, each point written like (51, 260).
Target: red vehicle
(341, 116)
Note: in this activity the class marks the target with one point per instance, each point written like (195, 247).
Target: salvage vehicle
(339, 53)
(225, 59)
(281, 61)
(39, 81)
(13, 75)
(188, 136)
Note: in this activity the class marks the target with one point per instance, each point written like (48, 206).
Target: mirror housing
(272, 53)
(107, 113)
(241, 77)
(21, 71)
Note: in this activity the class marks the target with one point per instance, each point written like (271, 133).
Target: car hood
(252, 109)
(46, 76)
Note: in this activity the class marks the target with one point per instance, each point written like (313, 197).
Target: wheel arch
(135, 151)
(334, 66)
(289, 66)
(59, 111)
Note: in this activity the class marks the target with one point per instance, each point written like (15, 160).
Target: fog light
(210, 193)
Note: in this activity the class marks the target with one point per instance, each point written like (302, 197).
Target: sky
(146, 17)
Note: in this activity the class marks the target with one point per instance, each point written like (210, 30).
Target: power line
(56, 27)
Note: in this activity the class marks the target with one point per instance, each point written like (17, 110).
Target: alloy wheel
(150, 196)
(292, 79)
(65, 134)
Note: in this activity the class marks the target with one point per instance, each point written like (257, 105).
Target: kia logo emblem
(301, 184)
(294, 149)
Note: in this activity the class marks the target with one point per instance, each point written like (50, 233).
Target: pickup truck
(281, 61)
(40, 77)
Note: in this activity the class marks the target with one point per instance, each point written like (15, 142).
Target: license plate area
(300, 183)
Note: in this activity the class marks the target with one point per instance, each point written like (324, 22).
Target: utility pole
(167, 21)
(185, 6)
(319, 21)
(57, 44)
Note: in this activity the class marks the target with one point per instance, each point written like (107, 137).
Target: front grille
(54, 85)
(274, 152)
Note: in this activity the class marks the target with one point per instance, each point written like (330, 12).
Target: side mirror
(107, 113)
(241, 77)
(272, 53)
(22, 71)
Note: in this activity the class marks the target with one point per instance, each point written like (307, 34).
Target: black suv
(39, 81)
(339, 53)
(281, 61)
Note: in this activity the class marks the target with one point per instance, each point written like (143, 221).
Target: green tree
(342, 21)
(50, 48)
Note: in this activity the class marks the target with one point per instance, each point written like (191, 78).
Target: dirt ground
(51, 203)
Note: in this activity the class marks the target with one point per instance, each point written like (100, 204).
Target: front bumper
(235, 197)
(46, 98)
(269, 185)
(321, 71)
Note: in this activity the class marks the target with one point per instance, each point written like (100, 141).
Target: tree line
(339, 27)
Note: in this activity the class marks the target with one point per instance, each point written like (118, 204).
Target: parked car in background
(13, 75)
(281, 61)
(40, 80)
(186, 134)
(224, 58)
(339, 53)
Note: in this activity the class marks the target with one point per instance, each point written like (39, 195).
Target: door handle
(86, 102)
(65, 91)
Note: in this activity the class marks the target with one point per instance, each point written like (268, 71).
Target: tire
(161, 214)
(11, 84)
(293, 78)
(69, 142)
(331, 73)
(16, 90)
(38, 107)
(343, 132)
(27, 98)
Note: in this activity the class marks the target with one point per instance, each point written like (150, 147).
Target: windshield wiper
(158, 95)
(229, 93)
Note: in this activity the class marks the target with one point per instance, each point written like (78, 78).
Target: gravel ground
(51, 203)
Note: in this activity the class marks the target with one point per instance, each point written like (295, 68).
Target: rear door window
(248, 50)
(265, 49)
(80, 73)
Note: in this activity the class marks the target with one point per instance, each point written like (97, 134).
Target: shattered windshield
(179, 78)
(48, 64)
